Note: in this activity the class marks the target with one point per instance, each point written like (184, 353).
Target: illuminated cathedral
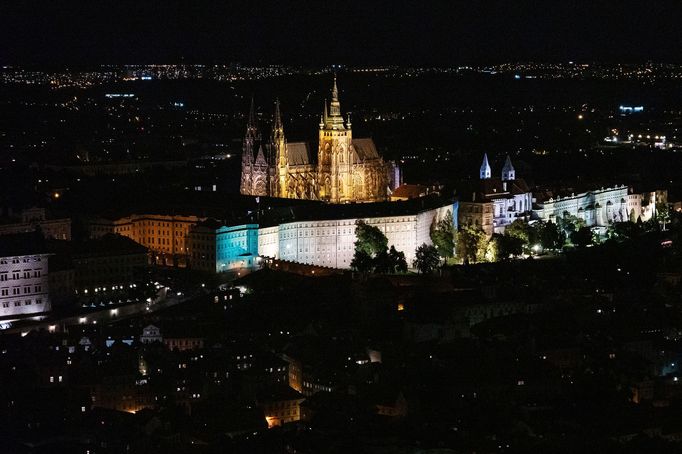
(343, 170)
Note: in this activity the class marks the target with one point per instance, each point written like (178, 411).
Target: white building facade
(319, 242)
(510, 196)
(604, 206)
(24, 285)
(331, 243)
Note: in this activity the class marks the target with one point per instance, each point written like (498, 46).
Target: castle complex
(344, 170)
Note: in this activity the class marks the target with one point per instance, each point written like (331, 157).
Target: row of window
(18, 303)
(17, 290)
(16, 260)
(4, 275)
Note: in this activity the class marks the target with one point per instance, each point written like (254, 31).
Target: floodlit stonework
(344, 170)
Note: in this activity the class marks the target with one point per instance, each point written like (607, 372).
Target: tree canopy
(372, 254)
(443, 236)
(471, 244)
(369, 239)
(426, 258)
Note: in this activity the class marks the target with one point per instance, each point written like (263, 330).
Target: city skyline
(322, 227)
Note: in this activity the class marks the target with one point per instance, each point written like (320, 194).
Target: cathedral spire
(485, 172)
(252, 113)
(251, 125)
(335, 91)
(278, 116)
(508, 172)
(334, 119)
(278, 141)
(323, 117)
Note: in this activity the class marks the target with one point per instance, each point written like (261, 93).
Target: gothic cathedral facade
(343, 170)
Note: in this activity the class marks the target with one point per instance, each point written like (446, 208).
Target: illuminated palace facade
(319, 239)
(343, 170)
(601, 207)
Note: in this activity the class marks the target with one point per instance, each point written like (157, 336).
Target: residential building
(34, 218)
(24, 284)
(164, 235)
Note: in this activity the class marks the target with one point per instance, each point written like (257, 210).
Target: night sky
(342, 31)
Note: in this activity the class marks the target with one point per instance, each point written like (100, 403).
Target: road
(106, 315)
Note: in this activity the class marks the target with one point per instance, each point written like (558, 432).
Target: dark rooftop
(22, 244)
(110, 244)
(352, 210)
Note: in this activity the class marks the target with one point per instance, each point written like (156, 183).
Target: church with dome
(343, 169)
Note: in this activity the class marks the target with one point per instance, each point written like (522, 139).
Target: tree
(519, 229)
(508, 246)
(443, 236)
(662, 213)
(397, 260)
(582, 237)
(471, 244)
(372, 254)
(569, 224)
(391, 261)
(550, 236)
(623, 231)
(369, 239)
(426, 258)
(362, 262)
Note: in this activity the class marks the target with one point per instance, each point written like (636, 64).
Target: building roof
(109, 244)
(210, 224)
(492, 186)
(410, 191)
(22, 244)
(490, 189)
(277, 393)
(364, 150)
(326, 212)
(299, 154)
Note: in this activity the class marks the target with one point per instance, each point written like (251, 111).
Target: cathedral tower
(281, 159)
(486, 173)
(254, 170)
(508, 172)
(334, 153)
(251, 141)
